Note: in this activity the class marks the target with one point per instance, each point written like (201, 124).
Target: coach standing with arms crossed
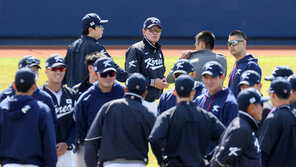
(146, 57)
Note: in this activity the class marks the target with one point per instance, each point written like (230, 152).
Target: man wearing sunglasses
(89, 103)
(91, 31)
(237, 45)
(204, 44)
(217, 100)
(91, 78)
(40, 95)
(146, 57)
(168, 99)
(64, 99)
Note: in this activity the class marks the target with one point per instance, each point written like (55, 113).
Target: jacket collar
(247, 117)
(156, 46)
(88, 37)
(247, 58)
(133, 96)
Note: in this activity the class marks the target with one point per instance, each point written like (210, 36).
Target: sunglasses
(233, 42)
(32, 60)
(55, 69)
(105, 74)
(154, 29)
(100, 26)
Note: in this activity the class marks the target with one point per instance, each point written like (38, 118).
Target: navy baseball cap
(280, 71)
(281, 87)
(25, 78)
(250, 78)
(250, 96)
(90, 20)
(292, 80)
(29, 61)
(136, 83)
(212, 68)
(184, 85)
(54, 61)
(151, 21)
(104, 64)
(183, 66)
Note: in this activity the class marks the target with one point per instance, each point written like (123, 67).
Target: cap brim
(180, 71)
(264, 99)
(269, 78)
(102, 22)
(209, 73)
(154, 25)
(58, 64)
(31, 65)
(245, 83)
(107, 69)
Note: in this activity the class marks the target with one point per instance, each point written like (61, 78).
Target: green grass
(8, 67)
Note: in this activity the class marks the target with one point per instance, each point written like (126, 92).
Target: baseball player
(204, 44)
(184, 131)
(239, 145)
(169, 99)
(89, 103)
(64, 99)
(91, 31)
(217, 100)
(280, 71)
(26, 127)
(277, 133)
(32, 63)
(91, 78)
(237, 45)
(146, 57)
(292, 99)
(128, 124)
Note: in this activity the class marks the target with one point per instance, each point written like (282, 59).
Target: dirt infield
(41, 51)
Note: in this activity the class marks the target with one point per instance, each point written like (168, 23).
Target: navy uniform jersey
(184, 132)
(147, 59)
(83, 86)
(26, 132)
(66, 131)
(120, 131)
(239, 146)
(39, 95)
(90, 102)
(76, 68)
(168, 99)
(246, 63)
(278, 137)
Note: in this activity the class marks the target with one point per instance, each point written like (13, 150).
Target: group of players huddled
(97, 121)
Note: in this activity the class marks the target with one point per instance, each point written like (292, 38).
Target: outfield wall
(58, 19)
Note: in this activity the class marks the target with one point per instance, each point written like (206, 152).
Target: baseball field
(268, 58)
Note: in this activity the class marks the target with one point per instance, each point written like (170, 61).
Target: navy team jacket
(26, 132)
(120, 131)
(145, 58)
(246, 63)
(185, 132)
(89, 104)
(168, 99)
(277, 138)
(239, 146)
(66, 131)
(76, 68)
(39, 95)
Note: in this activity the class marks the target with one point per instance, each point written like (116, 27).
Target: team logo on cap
(22, 80)
(58, 59)
(285, 91)
(179, 65)
(107, 63)
(208, 67)
(245, 76)
(155, 20)
(92, 23)
(137, 87)
(182, 88)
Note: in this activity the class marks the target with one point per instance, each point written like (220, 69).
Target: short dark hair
(238, 33)
(207, 38)
(282, 97)
(91, 58)
(85, 31)
(23, 89)
(183, 94)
